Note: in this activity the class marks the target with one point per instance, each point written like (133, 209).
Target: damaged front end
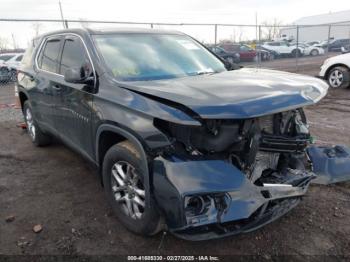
(230, 176)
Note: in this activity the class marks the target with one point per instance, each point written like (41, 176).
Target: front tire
(123, 181)
(295, 53)
(339, 77)
(37, 136)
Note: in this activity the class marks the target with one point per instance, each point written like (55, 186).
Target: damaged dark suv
(183, 142)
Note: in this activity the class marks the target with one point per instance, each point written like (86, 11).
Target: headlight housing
(201, 209)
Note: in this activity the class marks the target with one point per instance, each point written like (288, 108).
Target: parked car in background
(323, 44)
(4, 74)
(337, 44)
(6, 56)
(313, 42)
(334, 45)
(246, 52)
(284, 48)
(12, 65)
(14, 61)
(345, 49)
(231, 57)
(310, 49)
(336, 70)
(9, 63)
(267, 54)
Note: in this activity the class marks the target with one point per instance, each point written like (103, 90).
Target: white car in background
(310, 49)
(9, 62)
(14, 61)
(336, 70)
(284, 48)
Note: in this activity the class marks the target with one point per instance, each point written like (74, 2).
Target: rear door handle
(56, 87)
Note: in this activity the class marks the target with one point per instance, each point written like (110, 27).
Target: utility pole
(256, 40)
(14, 42)
(61, 11)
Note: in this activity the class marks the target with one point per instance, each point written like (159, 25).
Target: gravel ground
(7, 100)
(11, 114)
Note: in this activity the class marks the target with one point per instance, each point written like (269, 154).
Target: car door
(285, 48)
(248, 52)
(334, 45)
(47, 79)
(74, 101)
(273, 46)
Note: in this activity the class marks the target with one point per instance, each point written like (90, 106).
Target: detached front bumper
(234, 204)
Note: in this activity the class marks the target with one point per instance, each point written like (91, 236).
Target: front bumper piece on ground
(236, 205)
(331, 164)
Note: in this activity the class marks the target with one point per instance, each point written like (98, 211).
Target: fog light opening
(194, 205)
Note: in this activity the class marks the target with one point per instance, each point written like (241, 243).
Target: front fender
(138, 145)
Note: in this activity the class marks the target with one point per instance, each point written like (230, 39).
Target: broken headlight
(212, 136)
(205, 208)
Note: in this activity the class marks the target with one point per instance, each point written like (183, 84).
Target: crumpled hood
(242, 93)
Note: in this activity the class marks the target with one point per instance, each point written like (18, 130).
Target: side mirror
(76, 76)
(231, 66)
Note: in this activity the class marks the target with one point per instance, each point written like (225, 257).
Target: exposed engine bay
(263, 148)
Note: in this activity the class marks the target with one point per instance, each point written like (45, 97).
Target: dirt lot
(57, 189)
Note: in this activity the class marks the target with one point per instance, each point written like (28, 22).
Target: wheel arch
(22, 98)
(108, 135)
(121, 134)
(333, 66)
(105, 131)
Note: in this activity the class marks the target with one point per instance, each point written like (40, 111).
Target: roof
(328, 18)
(131, 30)
(112, 31)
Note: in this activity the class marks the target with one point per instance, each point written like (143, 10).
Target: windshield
(137, 57)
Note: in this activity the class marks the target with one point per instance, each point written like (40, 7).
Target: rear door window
(48, 58)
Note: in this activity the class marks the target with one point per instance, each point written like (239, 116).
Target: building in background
(340, 27)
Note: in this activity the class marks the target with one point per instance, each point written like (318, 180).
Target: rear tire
(339, 77)
(37, 136)
(314, 52)
(123, 183)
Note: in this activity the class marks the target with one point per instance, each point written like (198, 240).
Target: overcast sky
(199, 11)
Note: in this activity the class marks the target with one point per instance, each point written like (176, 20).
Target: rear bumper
(236, 204)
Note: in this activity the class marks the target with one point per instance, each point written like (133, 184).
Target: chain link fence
(295, 48)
